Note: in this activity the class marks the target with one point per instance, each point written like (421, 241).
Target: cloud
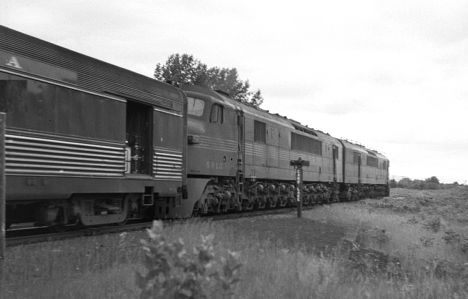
(436, 22)
(389, 74)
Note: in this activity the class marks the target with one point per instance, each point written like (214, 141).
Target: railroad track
(38, 235)
(47, 235)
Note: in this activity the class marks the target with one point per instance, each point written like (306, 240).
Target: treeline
(429, 183)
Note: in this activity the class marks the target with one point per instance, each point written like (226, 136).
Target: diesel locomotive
(239, 159)
(90, 143)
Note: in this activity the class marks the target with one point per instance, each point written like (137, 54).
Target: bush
(171, 272)
(429, 183)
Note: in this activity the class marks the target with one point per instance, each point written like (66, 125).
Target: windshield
(195, 106)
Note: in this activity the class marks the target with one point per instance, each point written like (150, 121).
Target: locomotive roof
(205, 92)
(290, 123)
(287, 122)
(362, 149)
(220, 98)
(72, 68)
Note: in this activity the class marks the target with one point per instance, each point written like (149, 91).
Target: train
(89, 143)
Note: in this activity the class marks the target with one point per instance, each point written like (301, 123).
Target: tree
(185, 69)
(433, 179)
(405, 183)
(432, 183)
(180, 69)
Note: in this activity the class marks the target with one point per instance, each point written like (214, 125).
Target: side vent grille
(167, 164)
(32, 155)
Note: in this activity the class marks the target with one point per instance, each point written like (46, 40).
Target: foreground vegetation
(410, 245)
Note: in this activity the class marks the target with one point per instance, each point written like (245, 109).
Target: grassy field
(413, 244)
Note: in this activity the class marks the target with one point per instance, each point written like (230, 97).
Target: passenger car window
(195, 106)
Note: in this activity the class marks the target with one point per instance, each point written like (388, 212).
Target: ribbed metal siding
(216, 144)
(31, 155)
(93, 74)
(167, 164)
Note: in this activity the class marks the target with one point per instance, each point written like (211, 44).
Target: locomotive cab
(212, 133)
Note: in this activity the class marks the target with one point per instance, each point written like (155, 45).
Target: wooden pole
(298, 164)
(299, 173)
(2, 202)
(2, 185)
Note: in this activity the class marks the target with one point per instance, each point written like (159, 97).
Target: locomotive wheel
(224, 207)
(196, 212)
(248, 205)
(238, 206)
(283, 201)
(272, 202)
(321, 199)
(200, 209)
(123, 222)
(261, 203)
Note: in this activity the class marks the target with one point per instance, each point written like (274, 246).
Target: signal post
(2, 197)
(298, 164)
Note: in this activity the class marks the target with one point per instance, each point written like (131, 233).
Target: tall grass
(73, 268)
(105, 266)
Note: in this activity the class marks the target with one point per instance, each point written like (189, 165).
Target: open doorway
(139, 137)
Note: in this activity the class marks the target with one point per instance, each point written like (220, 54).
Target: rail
(43, 235)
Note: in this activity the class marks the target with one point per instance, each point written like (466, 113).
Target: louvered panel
(167, 164)
(217, 144)
(32, 155)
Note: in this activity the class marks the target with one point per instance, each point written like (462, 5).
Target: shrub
(429, 183)
(171, 272)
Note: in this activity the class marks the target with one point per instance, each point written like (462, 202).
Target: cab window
(356, 158)
(195, 107)
(259, 131)
(217, 114)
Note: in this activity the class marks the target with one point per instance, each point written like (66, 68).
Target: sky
(391, 75)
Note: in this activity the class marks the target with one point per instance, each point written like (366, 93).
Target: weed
(433, 224)
(413, 220)
(451, 237)
(464, 246)
(375, 238)
(427, 241)
(278, 254)
(174, 273)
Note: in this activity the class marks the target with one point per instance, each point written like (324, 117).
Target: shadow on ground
(291, 232)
